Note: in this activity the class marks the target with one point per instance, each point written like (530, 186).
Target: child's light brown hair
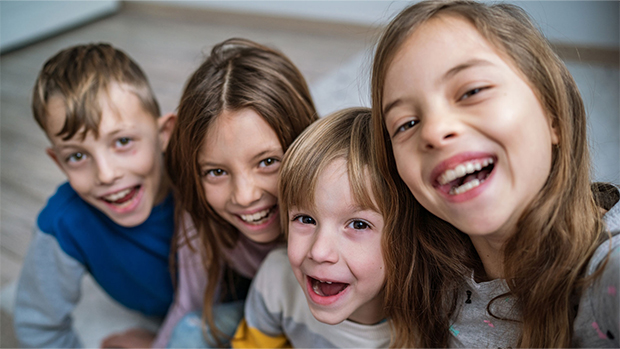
(555, 236)
(79, 75)
(342, 135)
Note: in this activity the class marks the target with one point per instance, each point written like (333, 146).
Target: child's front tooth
(460, 171)
(478, 167)
(470, 167)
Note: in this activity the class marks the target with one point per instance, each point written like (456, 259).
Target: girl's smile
(469, 136)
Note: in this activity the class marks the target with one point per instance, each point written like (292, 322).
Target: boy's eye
(268, 162)
(359, 225)
(305, 219)
(76, 157)
(123, 141)
(404, 127)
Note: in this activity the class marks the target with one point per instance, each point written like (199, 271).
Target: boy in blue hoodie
(114, 216)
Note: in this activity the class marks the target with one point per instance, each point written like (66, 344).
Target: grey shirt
(596, 325)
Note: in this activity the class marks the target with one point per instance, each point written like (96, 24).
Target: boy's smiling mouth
(465, 176)
(122, 198)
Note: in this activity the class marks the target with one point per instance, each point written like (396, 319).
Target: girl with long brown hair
(238, 114)
(497, 238)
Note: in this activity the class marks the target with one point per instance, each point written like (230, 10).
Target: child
(114, 217)
(332, 204)
(240, 111)
(480, 121)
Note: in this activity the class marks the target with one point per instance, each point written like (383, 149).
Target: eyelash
(70, 158)
(366, 224)
(404, 127)
(213, 172)
(121, 140)
(300, 217)
(273, 162)
(472, 92)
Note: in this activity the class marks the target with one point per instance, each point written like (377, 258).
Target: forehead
(120, 108)
(442, 40)
(243, 133)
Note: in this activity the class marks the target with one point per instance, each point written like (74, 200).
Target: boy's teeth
(256, 216)
(462, 170)
(117, 195)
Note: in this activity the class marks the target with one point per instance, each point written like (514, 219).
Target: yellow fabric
(249, 337)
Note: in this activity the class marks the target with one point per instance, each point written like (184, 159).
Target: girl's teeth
(465, 187)
(462, 170)
(250, 218)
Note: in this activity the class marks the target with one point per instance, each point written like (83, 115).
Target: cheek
(296, 250)
(216, 196)
(407, 164)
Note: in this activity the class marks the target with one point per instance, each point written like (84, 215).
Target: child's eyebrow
(463, 66)
(265, 152)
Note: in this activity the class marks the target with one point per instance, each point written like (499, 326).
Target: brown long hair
(556, 235)
(238, 74)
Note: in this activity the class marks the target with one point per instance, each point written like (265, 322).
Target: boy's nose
(107, 172)
(323, 249)
(246, 191)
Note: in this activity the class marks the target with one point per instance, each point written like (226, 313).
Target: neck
(490, 253)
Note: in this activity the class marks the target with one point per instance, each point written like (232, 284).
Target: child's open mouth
(123, 197)
(259, 217)
(327, 288)
(465, 176)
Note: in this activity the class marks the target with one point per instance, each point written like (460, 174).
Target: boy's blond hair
(342, 135)
(79, 75)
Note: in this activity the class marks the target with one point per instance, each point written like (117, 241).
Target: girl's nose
(246, 191)
(439, 129)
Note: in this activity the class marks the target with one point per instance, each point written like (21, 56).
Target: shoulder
(63, 209)
(275, 268)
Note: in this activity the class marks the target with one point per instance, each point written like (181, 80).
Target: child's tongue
(324, 289)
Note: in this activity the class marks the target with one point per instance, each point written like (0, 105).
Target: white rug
(96, 315)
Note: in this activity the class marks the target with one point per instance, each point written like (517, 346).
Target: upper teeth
(117, 195)
(463, 169)
(256, 216)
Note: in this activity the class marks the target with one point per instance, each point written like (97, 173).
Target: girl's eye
(305, 219)
(359, 225)
(123, 142)
(471, 93)
(218, 172)
(76, 157)
(404, 127)
(268, 162)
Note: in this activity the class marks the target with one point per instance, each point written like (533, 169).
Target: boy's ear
(51, 154)
(165, 124)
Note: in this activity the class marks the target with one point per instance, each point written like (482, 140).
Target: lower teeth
(466, 187)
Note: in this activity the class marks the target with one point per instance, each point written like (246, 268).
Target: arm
(48, 289)
(192, 282)
(605, 299)
(263, 325)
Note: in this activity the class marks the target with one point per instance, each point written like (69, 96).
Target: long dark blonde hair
(556, 235)
(238, 74)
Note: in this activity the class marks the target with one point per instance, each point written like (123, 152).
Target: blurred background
(330, 41)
